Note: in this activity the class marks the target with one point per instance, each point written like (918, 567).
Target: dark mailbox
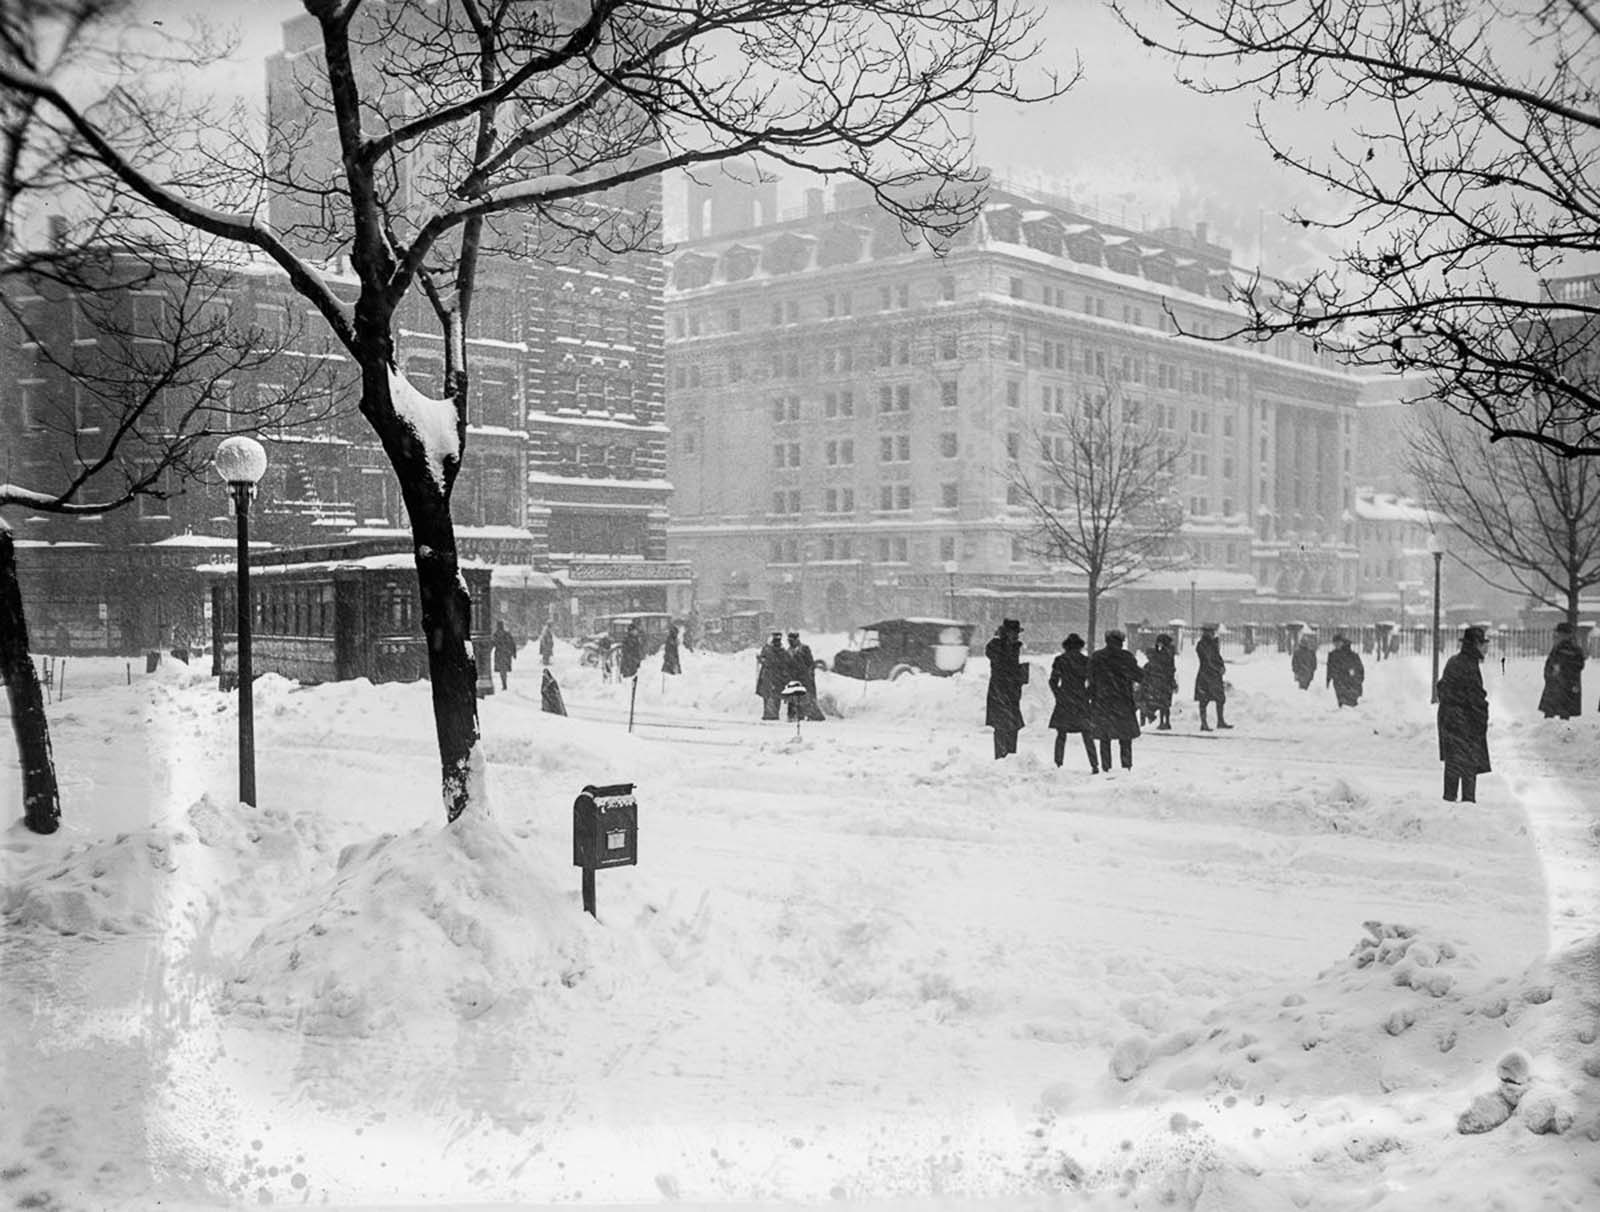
(605, 827)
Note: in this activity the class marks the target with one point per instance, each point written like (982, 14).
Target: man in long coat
(1159, 682)
(1563, 676)
(1464, 718)
(1113, 700)
(1007, 676)
(803, 669)
(547, 643)
(504, 646)
(1346, 673)
(1209, 684)
(632, 650)
(1303, 662)
(772, 675)
(1069, 683)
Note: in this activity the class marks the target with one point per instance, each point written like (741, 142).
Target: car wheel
(902, 671)
(820, 665)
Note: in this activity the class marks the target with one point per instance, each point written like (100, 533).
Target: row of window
(841, 452)
(892, 498)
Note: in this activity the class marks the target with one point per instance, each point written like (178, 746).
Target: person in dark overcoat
(669, 651)
(1346, 673)
(550, 695)
(1563, 676)
(1159, 682)
(772, 675)
(1303, 662)
(803, 669)
(1114, 675)
(632, 650)
(1209, 683)
(1007, 676)
(1069, 683)
(1464, 718)
(547, 643)
(504, 646)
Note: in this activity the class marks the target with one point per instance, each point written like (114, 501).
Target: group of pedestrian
(787, 674)
(1103, 698)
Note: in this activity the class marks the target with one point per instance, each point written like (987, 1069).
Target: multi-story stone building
(845, 406)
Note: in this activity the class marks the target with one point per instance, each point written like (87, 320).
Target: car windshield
(865, 638)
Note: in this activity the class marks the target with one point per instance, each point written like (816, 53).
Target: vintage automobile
(653, 627)
(896, 648)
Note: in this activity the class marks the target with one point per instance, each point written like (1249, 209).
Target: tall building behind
(845, 407)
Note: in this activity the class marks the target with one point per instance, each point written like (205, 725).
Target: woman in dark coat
(1346, 673)
(1464, 718)
(772, 675)
(1210, 686)
(1007, 676)
(669, 651)
(1069, 682)
(1563, 676)
(1159, 682)
(1113, 701)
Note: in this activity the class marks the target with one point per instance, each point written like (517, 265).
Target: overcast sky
(1128, 141)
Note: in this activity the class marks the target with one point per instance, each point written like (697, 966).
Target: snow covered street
(1265, 969)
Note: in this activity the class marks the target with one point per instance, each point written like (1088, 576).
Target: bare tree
(1534, 513)
(133, 414)
(1102, 498)
(449, 120)
(1468, 175)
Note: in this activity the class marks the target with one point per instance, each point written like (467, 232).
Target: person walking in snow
(1346, 673)
(1159, 682)
(504, 646)
(1303, 662)
(547, 643)
(1007, 676)
(803, 669)
(1464, 718)
(1114, 674)
(1209, 684)
(1069, 683)
(632, 650)
(669, 651)
(1563, 676)
(772, 675)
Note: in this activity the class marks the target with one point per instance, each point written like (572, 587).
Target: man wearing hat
(1069, 683)
(803, 669)
(1209, 686)
(1464, 718)
(1007, 675)
(1346, 673)
(772, 675)
(1113, 701)
(1563, 676)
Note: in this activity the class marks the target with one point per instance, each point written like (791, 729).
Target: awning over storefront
(523, 576)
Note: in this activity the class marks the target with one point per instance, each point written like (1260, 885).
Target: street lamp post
(1192, 619)
(950, 584)
(242, 462)
(1436, 550)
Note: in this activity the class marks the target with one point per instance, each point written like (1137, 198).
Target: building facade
(844, 407)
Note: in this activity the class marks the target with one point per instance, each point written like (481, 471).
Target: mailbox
(605, 827)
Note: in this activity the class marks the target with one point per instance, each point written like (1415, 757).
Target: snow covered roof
(1390, 507)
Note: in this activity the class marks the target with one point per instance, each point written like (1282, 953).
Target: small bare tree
(134, 414)
(1468, 176)
(1102, 498)
(428, 129)
(1534, 513)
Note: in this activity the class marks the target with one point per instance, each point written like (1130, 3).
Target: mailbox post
(605, 833)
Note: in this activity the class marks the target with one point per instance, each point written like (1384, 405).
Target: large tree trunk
(447, 625)
(41, 798)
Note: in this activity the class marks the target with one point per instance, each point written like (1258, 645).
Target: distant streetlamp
(1436, 550)
(242, 462)
(950, 583)
(1191, 605)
